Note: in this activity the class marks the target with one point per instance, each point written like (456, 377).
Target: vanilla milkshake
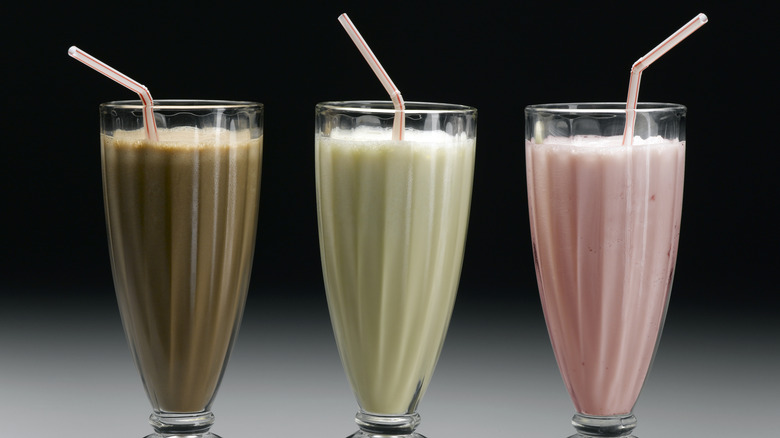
(181, 215)
(605, 223)
(393, 216)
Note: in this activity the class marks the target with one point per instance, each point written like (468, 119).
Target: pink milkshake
(605, 223)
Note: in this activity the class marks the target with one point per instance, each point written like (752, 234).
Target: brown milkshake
(181, 216)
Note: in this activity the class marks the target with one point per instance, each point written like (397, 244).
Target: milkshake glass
(392, 216)
(605, 223)
(181, 214)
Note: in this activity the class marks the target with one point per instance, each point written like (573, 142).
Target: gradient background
(65, 369)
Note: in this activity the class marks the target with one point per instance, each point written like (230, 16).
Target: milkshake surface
(393, 219)
(181, 216)
(605, 222)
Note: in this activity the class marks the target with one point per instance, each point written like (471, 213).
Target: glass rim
(603, 107)
(387, 107)
(182, 104)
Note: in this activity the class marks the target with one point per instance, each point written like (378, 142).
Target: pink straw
(392, 90)
(124, 80)
(644, 62)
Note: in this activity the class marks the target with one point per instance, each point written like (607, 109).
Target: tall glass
(605, 224)
(392, 222)
(182, 217)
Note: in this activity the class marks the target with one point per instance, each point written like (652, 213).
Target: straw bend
(124, 80)
(381, 74)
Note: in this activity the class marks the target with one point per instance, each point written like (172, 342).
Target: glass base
(591, 426)
(196, 435)
(379, 426)
(363, 434)
(576, 435)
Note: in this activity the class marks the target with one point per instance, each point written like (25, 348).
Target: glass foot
(196, 435)
(576, 435)
(363, 434)
(592, 426)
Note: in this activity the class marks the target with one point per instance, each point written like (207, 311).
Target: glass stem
(397, 425)
(616, 426)
(194, 424)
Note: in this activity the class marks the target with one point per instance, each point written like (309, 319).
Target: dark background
(289, 56)
(498, 56)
